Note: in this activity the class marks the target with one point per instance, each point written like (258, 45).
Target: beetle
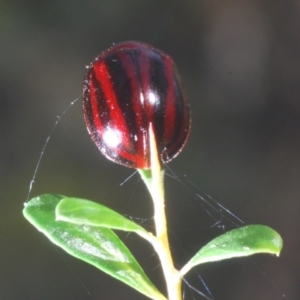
(127, 87)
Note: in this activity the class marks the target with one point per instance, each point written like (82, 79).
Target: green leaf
(100, 247)
(80, 211)
(238, 242)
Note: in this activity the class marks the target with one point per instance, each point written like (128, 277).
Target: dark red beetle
(126, 88)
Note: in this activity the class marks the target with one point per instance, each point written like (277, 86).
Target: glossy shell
(126, 88)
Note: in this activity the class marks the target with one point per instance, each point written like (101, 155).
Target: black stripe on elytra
(158, 83)
(138, 69)
(103, 109)
(181, 110)
(87, 107)
(88, 111)
(123, 91)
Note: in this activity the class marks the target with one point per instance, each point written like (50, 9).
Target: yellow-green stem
(155, 186)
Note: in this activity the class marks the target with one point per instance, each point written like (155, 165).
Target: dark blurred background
(240, 64)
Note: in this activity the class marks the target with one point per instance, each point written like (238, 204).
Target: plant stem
(155, 185)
